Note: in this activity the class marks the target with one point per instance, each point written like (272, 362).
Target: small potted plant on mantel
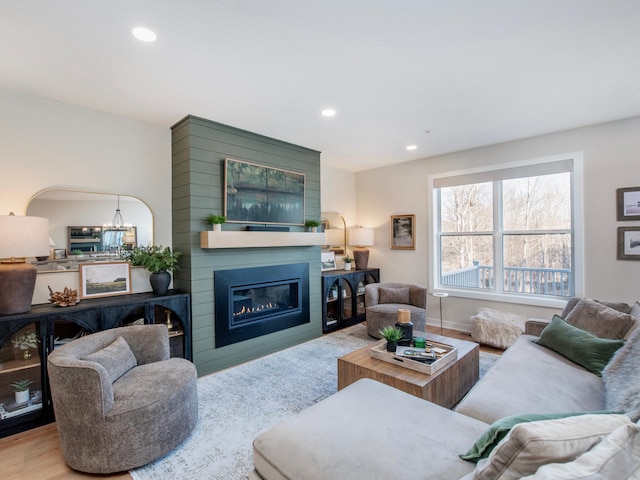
(312, 225)
(21, 390)
(347, 262)
(216, 221)
(392, 335)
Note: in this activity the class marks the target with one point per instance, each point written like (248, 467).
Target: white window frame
(577, 227)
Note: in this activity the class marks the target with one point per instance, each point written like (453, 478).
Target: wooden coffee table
(446, 387)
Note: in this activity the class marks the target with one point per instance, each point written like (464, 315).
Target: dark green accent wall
(199, 147)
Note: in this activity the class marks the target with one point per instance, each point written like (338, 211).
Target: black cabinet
(27, 338)
(343, 297)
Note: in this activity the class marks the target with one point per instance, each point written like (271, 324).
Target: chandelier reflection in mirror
(117, 224)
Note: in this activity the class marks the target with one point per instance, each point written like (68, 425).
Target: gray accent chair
(382, 301)
(120, 402)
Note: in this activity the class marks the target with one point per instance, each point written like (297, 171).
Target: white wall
(610, 153)
(48, 144)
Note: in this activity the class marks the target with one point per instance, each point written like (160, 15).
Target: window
(508, 231)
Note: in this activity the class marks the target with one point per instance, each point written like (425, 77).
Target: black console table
(343, 297)
(27, 338)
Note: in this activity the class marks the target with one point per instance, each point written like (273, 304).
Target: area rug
(238, 403)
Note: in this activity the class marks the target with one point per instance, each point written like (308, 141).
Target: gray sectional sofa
(371, 431)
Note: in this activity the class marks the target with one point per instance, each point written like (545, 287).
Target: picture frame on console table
(59, 253)
(628, 243)
(327, 261)
(402, 232)
(104, 279)
(628, 204)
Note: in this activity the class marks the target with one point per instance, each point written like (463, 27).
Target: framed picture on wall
(103, 279)
(628, 243)
(628, 203)
(402, 232)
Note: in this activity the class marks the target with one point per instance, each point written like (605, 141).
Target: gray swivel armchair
(382, 301)
(120, 402)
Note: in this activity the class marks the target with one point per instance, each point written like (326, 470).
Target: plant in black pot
(392, 335)
(159, 261)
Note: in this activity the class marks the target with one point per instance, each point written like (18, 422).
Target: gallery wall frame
(402, 234)
(628, 243)
(628, 203)
(104, 279)
(256, 193)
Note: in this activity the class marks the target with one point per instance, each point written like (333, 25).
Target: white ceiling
(472, 72)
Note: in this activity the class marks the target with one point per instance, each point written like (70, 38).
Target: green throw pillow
(578, 345)
(499, 429)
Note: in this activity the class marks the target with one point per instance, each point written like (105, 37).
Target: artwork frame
(402, 234)
(628, 204)
(255, 193)
(59, 253)
(104, 279)
(327, 261)
(628, 243)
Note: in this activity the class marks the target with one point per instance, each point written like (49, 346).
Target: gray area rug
(238, 403)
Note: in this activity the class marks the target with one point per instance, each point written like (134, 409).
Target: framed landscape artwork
(260, 194)
(104, 279)
(402, 232)
(628, 243)
(628, 203)
(328, 261)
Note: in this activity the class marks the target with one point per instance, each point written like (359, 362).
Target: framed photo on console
(327, 261)
(103, 279)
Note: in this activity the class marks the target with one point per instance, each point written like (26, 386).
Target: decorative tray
(446, 354)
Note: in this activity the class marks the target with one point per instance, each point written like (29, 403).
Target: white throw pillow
(530, 445)
(617, 456)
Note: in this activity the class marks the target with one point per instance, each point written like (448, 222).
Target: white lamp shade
(334, 236)
(361, 237)
(22, 236)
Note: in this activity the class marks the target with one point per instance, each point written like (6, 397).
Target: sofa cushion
(572, 302)
(533, 444)
(621, 378)
(117, 358)
(500, 428)
(616, 456)
(599, 319)
(394, 295)
(505, 390)
(578, 345)
(367, 430)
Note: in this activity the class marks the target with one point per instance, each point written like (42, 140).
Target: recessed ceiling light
(412, 147)
(144, 34)
(328, 112)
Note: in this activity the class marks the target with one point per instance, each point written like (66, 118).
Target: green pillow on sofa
(500, 428)
(578, 345)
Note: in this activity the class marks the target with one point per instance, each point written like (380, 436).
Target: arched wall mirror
(77, 222)
(335, 231)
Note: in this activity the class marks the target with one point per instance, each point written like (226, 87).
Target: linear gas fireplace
(251, 302)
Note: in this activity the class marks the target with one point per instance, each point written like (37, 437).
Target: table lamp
(361, 237)
(20, 237)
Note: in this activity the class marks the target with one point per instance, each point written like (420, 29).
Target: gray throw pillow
(394, 295)
(621, 379)
(573, 301)
(117, 358)
(599, 319)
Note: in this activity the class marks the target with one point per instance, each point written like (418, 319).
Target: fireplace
(251, 302)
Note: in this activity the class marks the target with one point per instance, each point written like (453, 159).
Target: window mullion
(498, 224)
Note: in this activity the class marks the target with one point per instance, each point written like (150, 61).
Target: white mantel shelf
(243, 239)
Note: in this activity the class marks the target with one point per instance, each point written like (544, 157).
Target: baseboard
(453, 325)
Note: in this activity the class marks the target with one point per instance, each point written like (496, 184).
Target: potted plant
(159, 261)
(392, 335)
(347, 262)
(216, 221)
(21, 390)
(312, 225)
(24, 342)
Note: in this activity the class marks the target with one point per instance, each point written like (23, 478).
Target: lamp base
(18, 281)
(361, 256)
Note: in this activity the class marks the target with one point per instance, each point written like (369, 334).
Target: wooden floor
(36, 453)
